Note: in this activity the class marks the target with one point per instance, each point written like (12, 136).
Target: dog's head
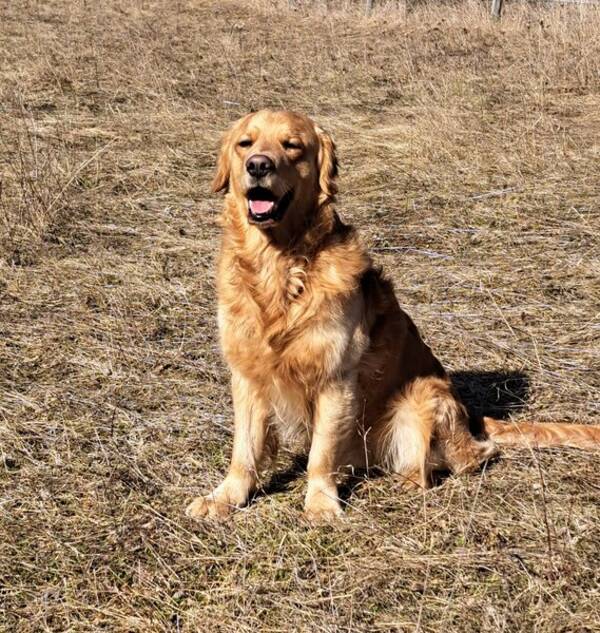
(279, 166)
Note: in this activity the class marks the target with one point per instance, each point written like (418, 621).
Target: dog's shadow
(281, 481)
(492, 393)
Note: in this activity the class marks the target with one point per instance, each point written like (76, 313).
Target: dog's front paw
(207, 507)
(216, 505)
(322, 507)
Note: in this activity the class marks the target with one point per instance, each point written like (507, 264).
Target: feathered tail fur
(543, 434)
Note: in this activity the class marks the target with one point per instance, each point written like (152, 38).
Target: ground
(470, 156)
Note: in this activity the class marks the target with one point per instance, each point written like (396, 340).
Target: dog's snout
(259, 165)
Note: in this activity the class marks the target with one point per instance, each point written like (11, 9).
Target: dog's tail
(543, 434)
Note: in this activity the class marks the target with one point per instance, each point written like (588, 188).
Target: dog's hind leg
(427, 430)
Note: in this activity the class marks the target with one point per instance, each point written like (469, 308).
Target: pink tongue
(259, 207)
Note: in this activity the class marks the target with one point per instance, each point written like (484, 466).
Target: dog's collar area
(264, 208)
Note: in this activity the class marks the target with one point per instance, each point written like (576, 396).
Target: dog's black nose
(259, 165)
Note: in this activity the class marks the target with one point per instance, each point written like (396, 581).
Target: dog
(317, 344)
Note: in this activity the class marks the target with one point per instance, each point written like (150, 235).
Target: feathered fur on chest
(265, 310)
(287, 317)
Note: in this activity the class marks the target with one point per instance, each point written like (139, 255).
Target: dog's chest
(262, 340)
(298, 341)
(280, 337)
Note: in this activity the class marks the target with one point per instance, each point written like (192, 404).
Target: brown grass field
(470, 154)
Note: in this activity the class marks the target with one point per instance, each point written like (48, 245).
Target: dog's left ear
(328, 166)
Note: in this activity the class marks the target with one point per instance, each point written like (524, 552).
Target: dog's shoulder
(341, 261)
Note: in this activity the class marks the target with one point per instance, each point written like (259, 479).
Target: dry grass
(470, 159)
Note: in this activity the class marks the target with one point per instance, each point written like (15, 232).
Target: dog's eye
(245, 142)
(291, 145)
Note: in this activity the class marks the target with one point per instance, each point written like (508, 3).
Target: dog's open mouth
(265, 208)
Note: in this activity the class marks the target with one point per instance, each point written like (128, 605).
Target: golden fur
(316, 341)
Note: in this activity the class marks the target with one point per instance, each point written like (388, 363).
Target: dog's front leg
(251, 416)
(333, 429)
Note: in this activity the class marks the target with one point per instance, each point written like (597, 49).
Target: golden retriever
(317, 343)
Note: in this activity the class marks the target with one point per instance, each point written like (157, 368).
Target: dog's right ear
(221, 178)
